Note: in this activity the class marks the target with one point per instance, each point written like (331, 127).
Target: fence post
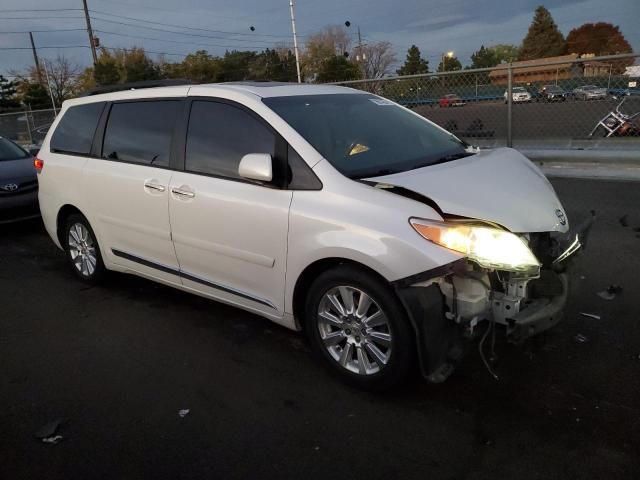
(29, 116)
(509, 104)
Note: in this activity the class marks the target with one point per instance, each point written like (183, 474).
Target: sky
(440, 26)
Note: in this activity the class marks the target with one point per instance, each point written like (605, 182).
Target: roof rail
(136, 86)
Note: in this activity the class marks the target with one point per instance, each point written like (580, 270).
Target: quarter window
(74, 133)
(219, 135)
(140, 132)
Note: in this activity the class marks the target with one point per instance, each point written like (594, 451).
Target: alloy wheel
(82, 249)
(354, 330)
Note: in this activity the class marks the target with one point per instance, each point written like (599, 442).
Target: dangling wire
(480, 350)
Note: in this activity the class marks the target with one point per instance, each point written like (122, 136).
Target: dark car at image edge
(18, 183)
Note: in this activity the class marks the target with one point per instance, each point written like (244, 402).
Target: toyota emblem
(9, 187)
(561, 216)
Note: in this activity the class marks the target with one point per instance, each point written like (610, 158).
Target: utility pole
(295, 38)
(53, 102)
(92, 42)
(35, 58)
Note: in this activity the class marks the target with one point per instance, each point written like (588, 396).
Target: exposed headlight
(488, 247)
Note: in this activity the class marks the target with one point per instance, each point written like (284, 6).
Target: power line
(186, 26)
(178, 41)
(46, 46)
(199, 35)
(40, 10)
(41, 18)
(46, 31)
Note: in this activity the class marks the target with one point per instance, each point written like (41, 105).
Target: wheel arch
(305, 279)
(63, 213)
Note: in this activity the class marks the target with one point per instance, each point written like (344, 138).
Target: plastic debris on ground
(47, 434)
(183, 413)
(53, 440)
(611, 292)
(590, 315)
(580, 338)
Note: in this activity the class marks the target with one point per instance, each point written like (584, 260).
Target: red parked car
(451, 100)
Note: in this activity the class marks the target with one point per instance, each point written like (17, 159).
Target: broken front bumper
(445, 305)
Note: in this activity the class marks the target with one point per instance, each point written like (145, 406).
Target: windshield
(11, 151)
(364, 135)
(553, 88)
(518, 89)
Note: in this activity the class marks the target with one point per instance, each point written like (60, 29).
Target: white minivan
(388, 240)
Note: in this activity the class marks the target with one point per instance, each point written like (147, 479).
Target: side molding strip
(187, 276)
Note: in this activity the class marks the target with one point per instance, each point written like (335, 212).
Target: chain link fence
(545, 103)
(26, 127)
(562, 102)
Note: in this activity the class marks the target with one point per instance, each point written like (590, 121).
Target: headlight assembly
(488, 247)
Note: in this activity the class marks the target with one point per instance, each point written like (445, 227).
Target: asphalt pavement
(117, 363)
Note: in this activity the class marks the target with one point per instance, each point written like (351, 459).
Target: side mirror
(256, 166)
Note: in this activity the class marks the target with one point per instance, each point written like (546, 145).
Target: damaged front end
(447, 304)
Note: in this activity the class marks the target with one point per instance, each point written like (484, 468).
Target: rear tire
(359, 329)
(82, 250)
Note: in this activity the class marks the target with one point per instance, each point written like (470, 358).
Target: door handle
(182, 192)
(154, 186)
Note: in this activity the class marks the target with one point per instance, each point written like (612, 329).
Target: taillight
(39, 164)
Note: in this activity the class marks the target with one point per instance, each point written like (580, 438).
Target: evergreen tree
(449, 64)
(8, 94)
(543, 38)
(336, 69)
(483, 58)
(36, 96)
(414, 64)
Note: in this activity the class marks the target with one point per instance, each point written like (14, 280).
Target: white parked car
(322, 208)
(518, 94)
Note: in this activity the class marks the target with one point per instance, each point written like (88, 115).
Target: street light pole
(295, 39)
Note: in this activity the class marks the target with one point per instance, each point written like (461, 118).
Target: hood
(17, 171)
(501, 186)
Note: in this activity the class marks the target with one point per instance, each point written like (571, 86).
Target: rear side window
(220, 135)
(140, 132)
(74, 133)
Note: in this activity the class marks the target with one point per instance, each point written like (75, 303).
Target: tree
(449, 64)
(137, 67)
(199, 67)
(597, 39)
(483, 58)
(8, 93)
(106, 70)
(323, 46)
(414, 63)
(63, 78)
(505, 52)
(491, 56)
(375, 59)
(543, 38)
(235, 65)
(338, 68)
(35, 95)
(274, 65)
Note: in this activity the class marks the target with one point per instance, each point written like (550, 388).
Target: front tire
(82, 250)
(358, 327)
